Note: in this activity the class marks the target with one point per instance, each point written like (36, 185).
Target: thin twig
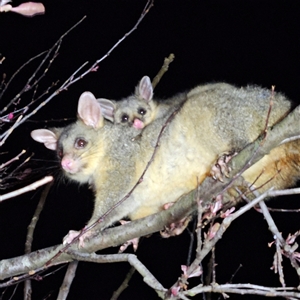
(10, 130)
(30, 231)
(56, 46)
(130, 258)
(246, 289)
(13, 159)
(14, 75)
(163, 70)
(26, 189)
(124, 284)
(287, 249)
(94, 67)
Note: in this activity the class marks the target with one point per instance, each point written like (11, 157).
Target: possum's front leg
(104, 216)
(72, 235)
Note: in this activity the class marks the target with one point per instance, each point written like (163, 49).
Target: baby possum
(140, 109)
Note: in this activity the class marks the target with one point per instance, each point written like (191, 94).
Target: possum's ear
(45, 136)
(145, 90)
(89, 110)
(108, 109)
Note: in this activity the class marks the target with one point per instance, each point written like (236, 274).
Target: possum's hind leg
(221, 168)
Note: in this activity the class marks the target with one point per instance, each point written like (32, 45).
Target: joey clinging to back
(140, 109)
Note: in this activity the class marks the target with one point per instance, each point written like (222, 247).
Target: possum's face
(79, 149)
(81, 144)
(136, 111)
(133, 112)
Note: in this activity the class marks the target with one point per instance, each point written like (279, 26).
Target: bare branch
(283, 247)
(30, 231)
(15, 74)
(163, 70)
(94, 67)
(124, 284)
(246, 289)
(13, 159)
(30, 85)
(28, 188)
(112, 237)
(69, 277)
(131, 259)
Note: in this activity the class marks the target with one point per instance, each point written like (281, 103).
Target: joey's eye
(124, 118)
(80, 143)
(142, 111)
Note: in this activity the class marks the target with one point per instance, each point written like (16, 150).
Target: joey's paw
(221, 168)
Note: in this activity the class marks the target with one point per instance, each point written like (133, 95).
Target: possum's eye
(142, 111)
(60, 152)
(80, 143)
(124, 118)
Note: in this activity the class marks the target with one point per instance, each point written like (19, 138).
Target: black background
(239, 42)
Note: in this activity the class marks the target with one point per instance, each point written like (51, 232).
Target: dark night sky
(239, 42)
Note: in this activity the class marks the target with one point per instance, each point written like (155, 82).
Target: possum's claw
(68, 239)
(134, 242)
(175, 228)
(221, 168)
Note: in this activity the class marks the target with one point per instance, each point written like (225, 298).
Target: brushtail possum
(215, 119)
(140, 109)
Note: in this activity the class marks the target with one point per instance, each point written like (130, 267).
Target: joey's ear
(145, 89)
(89, 110)
(108, 109)
(45, 136)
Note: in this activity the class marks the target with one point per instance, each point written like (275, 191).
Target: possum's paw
(221, 168)
(134, 242)
(73, 234)
(174, 228)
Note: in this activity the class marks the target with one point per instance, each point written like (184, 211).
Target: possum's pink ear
(108, 109)
(45, 136)
(144, 89)
(89, 110)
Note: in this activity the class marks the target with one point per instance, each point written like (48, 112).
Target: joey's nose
(138, 124)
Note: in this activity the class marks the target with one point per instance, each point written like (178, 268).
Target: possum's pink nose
(67, 164)
(138, 124)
